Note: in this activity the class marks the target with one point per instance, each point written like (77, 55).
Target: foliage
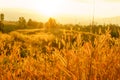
(21, 22)
(1, 22)
(51, 23)
(1, 26)
(34, 24)
(1, 17)
(52, 26)
(58, 52)
(72, 55)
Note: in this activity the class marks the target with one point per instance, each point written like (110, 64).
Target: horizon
(66, 19)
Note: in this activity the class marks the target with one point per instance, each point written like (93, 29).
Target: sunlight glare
(48, 8)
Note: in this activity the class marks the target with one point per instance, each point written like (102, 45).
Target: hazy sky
(103, 8)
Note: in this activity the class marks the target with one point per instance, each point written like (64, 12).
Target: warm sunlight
(51, 8)
(60, 9)
(59, 40)
(48, 8)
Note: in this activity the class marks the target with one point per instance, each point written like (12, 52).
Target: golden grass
(34, 57)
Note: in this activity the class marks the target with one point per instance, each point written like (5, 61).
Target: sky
(98, 8)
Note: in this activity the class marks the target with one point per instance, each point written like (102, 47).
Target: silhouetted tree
(32, 23)
(1, 17)
(1, 21)
(40, 25)
(22, 22)
(51, 23)
(29, 23)
(1, 26)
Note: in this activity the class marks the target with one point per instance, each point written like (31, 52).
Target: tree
(22, 22)
(29, 23)
(1, 26)
(1, 17)
(34, 24)
(51, 23)
(52, 26)
(1, 21)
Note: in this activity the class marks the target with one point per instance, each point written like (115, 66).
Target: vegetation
(1, 21)
(64, 52)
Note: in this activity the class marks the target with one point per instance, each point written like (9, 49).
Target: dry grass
(32, 57)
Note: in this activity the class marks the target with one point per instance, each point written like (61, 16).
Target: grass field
(34, 54)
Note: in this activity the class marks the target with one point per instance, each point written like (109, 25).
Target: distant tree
(1, 21)
(52, 26)
(51, 23)
(22, 22)
(29, 23)
(1, 17)
(40, 25)
(32, 23)
(1, 26)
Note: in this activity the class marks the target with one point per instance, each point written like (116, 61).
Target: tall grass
(72, 55)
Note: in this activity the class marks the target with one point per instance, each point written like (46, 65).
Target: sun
(49, 8)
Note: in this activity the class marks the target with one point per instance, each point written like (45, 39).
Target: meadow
(68, 52)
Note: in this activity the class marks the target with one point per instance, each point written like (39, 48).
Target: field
(60, 54)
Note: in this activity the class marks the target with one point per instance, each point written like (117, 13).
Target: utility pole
(92, 73)
(93, 16)
(1, 21)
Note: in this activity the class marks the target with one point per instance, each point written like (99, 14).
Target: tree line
(53, 26)
(22, 23)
